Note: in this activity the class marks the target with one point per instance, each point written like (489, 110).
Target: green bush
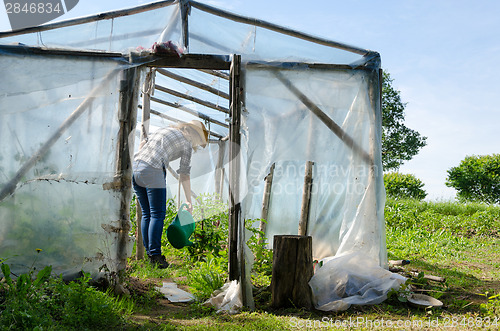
(477, 178)
(403, 186)
(37, 302)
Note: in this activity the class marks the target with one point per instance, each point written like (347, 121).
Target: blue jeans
(149, 186)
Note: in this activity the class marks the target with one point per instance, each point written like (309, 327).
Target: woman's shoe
(159, 261)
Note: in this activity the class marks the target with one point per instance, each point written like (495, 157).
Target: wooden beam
(189, 61)
(190, 111)
(306, 199)
(129, 93)
(216, 73)
(89, 19)
(234, 165)
(265, 203)
(175, 120)
(219, 169)
(194, 83)
(190, 98)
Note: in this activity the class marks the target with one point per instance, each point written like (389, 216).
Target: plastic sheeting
(61, 204)
(347, 193)
(351, 279)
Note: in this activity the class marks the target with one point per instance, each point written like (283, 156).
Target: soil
(163, 307)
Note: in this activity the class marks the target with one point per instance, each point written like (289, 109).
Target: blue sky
(443, 56)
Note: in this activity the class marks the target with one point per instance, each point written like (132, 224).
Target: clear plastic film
(304, 99)
(62, 114)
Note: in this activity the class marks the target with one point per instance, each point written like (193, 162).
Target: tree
(399, 143)
(404, 186)
(477, 178)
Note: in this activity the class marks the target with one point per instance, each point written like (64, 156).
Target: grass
(459, 242)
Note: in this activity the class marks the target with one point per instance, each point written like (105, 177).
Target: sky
(442, 55)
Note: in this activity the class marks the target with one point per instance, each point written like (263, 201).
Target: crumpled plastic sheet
(351, 279)
(228, 299)
(175, 294)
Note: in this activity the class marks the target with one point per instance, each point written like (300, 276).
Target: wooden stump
(292, 270)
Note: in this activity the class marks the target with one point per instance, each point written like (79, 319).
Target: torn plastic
(351, 279)
(174, 294)
(227, 299)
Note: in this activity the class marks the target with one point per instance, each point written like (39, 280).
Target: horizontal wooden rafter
(190, 111)
(216, 73)
(194, 83)
(191, 98)
(173, 119)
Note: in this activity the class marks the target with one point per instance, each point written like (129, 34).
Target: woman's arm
(186, 185)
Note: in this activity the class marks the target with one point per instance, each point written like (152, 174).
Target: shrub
(477, 178)
(403, 186)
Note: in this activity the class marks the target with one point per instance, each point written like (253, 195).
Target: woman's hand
(189, 207)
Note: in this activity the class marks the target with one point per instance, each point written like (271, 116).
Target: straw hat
(200, 129)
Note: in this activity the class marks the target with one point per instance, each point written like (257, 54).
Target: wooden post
(265, 202)
(237, 265)
(306, 199)
(219, 169)
(234, 168)
(129, 88)
(292, 270)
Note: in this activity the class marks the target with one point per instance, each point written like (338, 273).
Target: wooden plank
(191, 98)
(194, 83)
(189, 61)
(306, 199)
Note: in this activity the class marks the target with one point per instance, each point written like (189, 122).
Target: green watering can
(181, 228)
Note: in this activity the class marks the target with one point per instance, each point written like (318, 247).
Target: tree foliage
(399, 143)
(477, 178)
(404, 186)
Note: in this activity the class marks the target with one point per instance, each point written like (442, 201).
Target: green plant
(476, 178)
(40, 302)
(207, 276)
(492, 306)
(210, 234)
(23, 303)
(263, 257)
(404, 186)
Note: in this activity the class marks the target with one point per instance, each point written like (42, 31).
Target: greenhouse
(78, 96)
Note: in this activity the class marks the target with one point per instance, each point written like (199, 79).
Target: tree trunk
(292, 270)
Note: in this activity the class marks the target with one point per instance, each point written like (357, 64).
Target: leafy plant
(210, 235)
(41, 302)
(404, 186)
(263, 262)
(207, 277)
(477, 178)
